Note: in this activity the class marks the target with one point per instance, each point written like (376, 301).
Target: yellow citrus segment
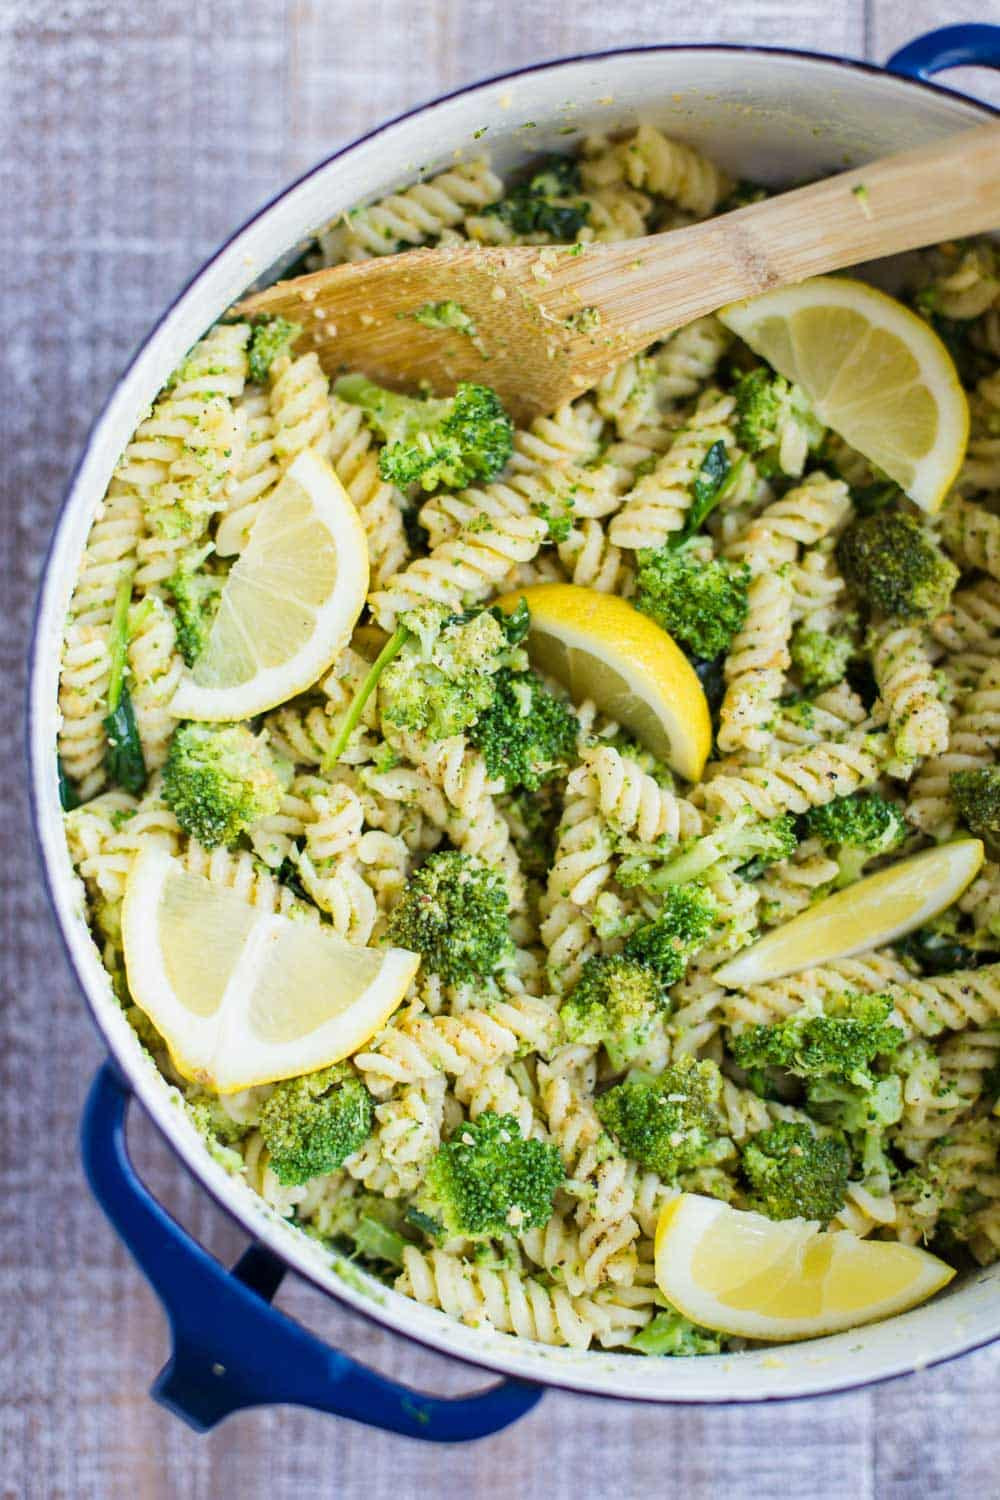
(243, 996)
(874, 371)
(752, 1277)
(868, 914)
(601, 648)
(289, 604)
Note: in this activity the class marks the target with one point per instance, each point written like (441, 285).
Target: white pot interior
(775, 118)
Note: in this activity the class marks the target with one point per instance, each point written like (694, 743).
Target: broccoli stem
(118, 642)
(389, 652)
(376, 1241)
(124, 760)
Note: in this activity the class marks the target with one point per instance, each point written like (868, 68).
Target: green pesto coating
(671, 1123)
(895, 564)
(682, 926)
(700, 603)
(444, 315)
(311, 1125)
(271, 337)
(452, 442)
(976, 794)
(855, 829)
(454, 912)
(526, 734)
(488, 1180)
(793, 1174)
(218, 779)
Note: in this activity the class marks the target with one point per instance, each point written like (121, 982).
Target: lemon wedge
(874, 372)
(873, 911)
(242, 996)
(758, 1278)
(289, 604)
(599, 647)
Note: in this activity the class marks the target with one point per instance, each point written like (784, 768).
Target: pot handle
(231, 1348)
(965, 46)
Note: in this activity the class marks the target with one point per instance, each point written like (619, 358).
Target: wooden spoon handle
(943, 191)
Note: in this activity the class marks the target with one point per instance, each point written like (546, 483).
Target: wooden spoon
(550, 321)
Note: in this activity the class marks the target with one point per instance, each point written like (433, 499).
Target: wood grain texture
(133, 135)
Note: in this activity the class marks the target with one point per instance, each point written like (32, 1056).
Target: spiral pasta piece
(800, 781)
(670, 169)
(254, 476)
(414, 216)
(508, 1302)
(300, 408)
(973, 740)
(971, 534)
(918, 720)
(379, 504)
(631, 800)
(659, 503)
(756, 665)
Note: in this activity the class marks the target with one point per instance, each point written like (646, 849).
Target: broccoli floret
(454, 442)
(760, 401)
(858, 1110)
(670, 1333)
(839, 1045)
(445, 676)
(820, 659)
(682, 926)
(271, 338)
(548, 203)
(749, 846)
(855, 829)
(311, 1125)
(196, 599)
(671, 1123)
(211, 1119)
(700, 603)
(793, 1174)
(976, 794)
(218, 779)
(487, 1180)
(526, 733)
(896, 565)
(454, 912)
(764, 403)
(614, 1002)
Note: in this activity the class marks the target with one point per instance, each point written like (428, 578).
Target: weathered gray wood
(135, 133)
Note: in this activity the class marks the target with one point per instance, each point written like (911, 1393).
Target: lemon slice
(746, 1275)
(242, 996)
(289, 604)
(871, 912)
(874, 372)
(601, 648)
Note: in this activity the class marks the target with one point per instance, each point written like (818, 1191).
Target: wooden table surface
(136, 134)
